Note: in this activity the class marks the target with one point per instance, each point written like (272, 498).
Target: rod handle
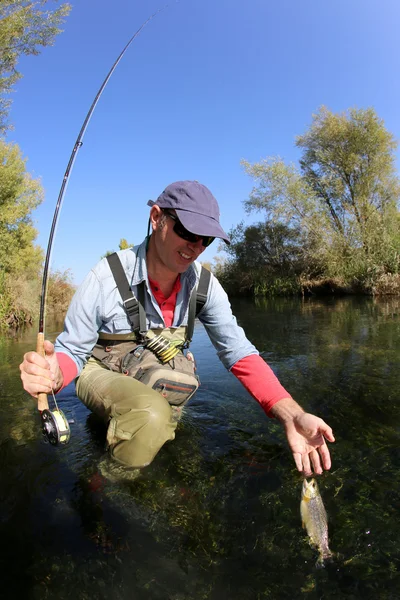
(42, 397)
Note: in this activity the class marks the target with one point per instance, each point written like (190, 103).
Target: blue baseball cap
(195, 206)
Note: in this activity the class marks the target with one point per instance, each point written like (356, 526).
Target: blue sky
(206, 84)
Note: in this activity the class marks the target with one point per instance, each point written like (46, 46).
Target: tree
(275, 246)
(20, 259)
(24, 28)
(264, 258)
(123, 245)
(19, 196)
(343, 197)
(348, 161)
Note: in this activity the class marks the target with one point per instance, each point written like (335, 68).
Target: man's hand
(306, 436)
(41, 374)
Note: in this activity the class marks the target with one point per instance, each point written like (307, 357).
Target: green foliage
(20, 296)
(24, 28)
(276, 246)
(123, 245)
(19, 196)
(265, 258)
(341, 202)
(19, 299)
(59, 292)
(20, 259)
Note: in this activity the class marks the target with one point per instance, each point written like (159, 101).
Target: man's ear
(155, 216)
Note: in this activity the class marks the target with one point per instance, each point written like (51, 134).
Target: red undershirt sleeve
(68, 368)
(260, 381)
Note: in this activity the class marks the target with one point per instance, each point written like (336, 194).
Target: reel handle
(42, 397)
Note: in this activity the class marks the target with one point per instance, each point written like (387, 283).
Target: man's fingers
(33, 358)
(298, 460)
(36, 386)
(48, 347)
(325, 456)
(316, 462)
(34, 370)
(310, 463)
(327, 432)
(302, 463)
(306, 465)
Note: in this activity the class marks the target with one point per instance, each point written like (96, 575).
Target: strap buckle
(130, 304)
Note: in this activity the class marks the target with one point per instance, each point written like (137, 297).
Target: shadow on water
(216, 516)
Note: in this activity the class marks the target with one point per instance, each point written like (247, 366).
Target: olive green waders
(140, 419)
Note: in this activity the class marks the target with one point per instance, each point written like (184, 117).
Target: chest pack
(158, 358)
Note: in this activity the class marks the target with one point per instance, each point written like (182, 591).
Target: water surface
(216, 516)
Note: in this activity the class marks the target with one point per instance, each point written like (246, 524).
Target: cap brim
(201, 225)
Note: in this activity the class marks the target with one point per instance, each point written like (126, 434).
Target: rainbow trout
(314, 519)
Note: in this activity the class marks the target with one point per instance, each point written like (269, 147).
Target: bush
(59, 292)
(20, 297)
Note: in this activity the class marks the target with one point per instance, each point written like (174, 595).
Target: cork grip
(42, 398)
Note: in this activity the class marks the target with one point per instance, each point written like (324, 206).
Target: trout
(314, 519)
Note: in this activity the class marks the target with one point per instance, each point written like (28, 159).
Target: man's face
(175, 253)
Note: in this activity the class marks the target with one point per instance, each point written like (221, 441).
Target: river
(216, 516)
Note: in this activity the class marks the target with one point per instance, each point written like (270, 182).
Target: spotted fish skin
(314, 519)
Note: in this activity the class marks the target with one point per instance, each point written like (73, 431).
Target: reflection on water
(216, 516)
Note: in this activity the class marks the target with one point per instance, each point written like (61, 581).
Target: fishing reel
(55, 427)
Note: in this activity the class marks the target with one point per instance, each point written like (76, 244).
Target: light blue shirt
(97, 307)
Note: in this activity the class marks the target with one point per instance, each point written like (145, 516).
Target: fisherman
(127, 352)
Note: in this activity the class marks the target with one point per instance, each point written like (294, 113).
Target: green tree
(20, 258)
(273, 245)
(262, 258)
(19, 196)
(343, 197)
(123, 245)
(24, 28)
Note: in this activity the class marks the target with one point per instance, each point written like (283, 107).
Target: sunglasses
(183, 233)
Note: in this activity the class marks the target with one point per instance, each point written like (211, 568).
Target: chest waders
(154, 357)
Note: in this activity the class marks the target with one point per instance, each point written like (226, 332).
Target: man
(184, 220)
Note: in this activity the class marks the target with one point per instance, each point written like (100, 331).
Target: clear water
(216, 516)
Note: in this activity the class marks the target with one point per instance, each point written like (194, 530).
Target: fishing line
(54, 423)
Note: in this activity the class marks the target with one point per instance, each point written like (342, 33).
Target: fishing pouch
(175, 380)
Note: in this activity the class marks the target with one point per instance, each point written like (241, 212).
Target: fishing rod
(55, 425)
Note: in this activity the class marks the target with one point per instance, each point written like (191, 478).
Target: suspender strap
(128, 299)
(133, 306)
(191, 318)
(142, 312)
(197, 301)
(202, 290)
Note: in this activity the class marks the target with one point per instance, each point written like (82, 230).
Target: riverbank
(247, 284)
(20, 298)
(385, 285)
